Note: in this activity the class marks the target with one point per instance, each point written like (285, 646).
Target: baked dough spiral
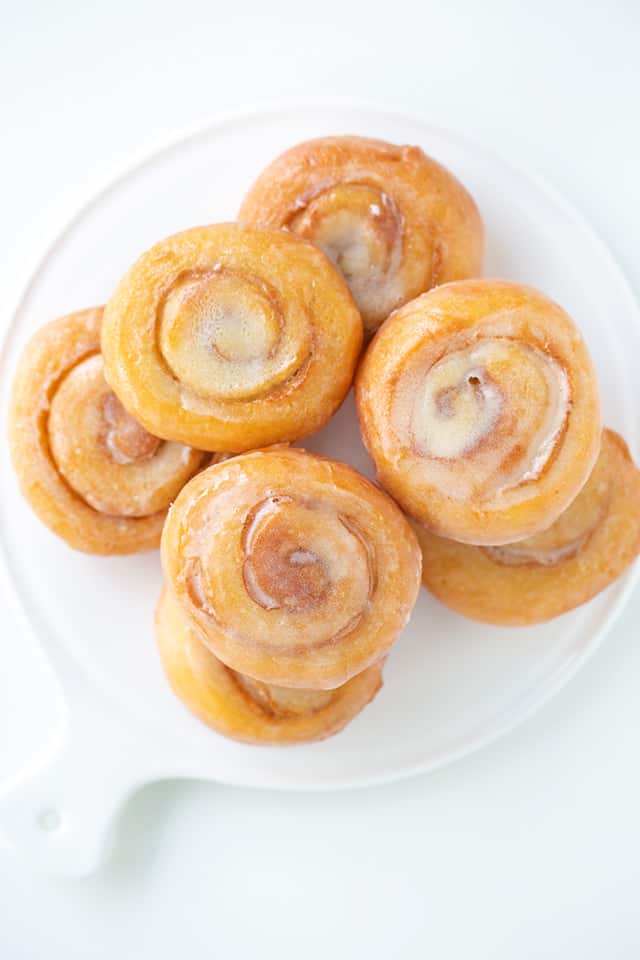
(479, 405)
(533, 580)
(393, 220)
(246, 709)
(228, 338)
(89, 471)
(296, 569)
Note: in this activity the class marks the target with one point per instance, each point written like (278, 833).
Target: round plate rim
(62, 224)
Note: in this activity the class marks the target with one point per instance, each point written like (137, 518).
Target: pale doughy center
(485, 419)
(360, 229)
(223, 337)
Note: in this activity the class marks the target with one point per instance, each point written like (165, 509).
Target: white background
(529, 849)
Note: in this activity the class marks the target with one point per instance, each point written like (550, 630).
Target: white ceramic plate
(450, 685)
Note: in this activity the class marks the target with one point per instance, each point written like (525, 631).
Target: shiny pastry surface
(246, 709)
(297, 570)
(393, 220)
(533, 580)
(228, 338)
(479, 404)
(91, 473)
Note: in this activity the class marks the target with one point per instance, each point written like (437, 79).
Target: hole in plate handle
(49, 820)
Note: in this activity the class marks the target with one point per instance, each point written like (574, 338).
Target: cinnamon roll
(245, 709)
(533, 580)
(395, 222)
(227, 338)
(295, 569)
(479, 405)
(89, 471)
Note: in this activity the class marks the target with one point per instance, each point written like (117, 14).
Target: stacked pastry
(288, 577)
(479, 405)
(298, 575)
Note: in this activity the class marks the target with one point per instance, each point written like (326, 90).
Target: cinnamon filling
(283, 701)
(566, 537)
(279, 571)
(125, 439)
(302, 574)
(105, 456)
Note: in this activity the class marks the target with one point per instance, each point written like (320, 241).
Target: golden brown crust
(392, 219)
(87, 469)
(296, 569)
(229, 338)
(479, 405)
(245, 709)
(534, 580)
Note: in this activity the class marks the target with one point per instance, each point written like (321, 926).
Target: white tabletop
(529, 849)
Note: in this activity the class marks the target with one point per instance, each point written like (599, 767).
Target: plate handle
(56, 818)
